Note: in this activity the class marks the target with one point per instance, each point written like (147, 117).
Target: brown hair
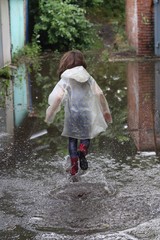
(71, 59)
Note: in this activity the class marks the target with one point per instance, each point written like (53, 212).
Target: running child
(86, 109)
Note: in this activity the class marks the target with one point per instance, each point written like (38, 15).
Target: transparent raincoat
(83, 101)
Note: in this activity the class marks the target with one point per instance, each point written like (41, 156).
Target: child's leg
(83, 150)
(73, 155)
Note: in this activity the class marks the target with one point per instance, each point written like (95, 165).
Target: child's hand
(45, 120)
(108, 117)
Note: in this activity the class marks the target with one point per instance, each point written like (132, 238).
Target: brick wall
(141, 105)
(140, 26)
(131, 22)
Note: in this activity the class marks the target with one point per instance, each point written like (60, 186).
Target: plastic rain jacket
(84, 104)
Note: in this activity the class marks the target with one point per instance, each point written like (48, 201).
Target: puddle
(117, 198)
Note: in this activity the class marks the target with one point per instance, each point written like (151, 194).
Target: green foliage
(29, 52)
(105, 56)
(29, 55)
(66, 24)
(4, 84)
(108, 11)
(5, 73)
(115, 9)
(5, 80)
(85, 3)
(62, 25)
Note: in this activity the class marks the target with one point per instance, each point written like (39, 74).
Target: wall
(140, 26)
(141, 105)
(18, 18)
(20, 96)
(132, 22)
(5, 45)
(13, 28)
(17, 24)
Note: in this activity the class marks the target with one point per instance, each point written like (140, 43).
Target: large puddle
(118, 197)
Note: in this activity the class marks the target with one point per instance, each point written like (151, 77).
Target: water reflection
(134, 102)
(119, 191)
(144, 104)
(15, 110)
(6, 114)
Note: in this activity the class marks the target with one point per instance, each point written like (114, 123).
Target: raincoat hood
(77, 73)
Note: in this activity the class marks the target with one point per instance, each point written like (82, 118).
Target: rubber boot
(74, 166)
(82, 153)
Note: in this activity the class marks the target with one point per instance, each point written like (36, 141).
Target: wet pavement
(117, 198)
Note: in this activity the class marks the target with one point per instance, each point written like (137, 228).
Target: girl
(86, 109)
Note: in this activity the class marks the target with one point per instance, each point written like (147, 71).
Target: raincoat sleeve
(103, 103)
(54, 100)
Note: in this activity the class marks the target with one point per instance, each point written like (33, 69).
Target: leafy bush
(62, 25)
(85, 3)
(5, 73)
(29, 55)
(115, 9)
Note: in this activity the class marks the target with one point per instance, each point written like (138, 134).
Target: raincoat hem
(82, 138)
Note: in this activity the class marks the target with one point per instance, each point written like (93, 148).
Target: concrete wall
(20, 95)
(13, 22)
(5, 45)
(17, 24)
(13, 14)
